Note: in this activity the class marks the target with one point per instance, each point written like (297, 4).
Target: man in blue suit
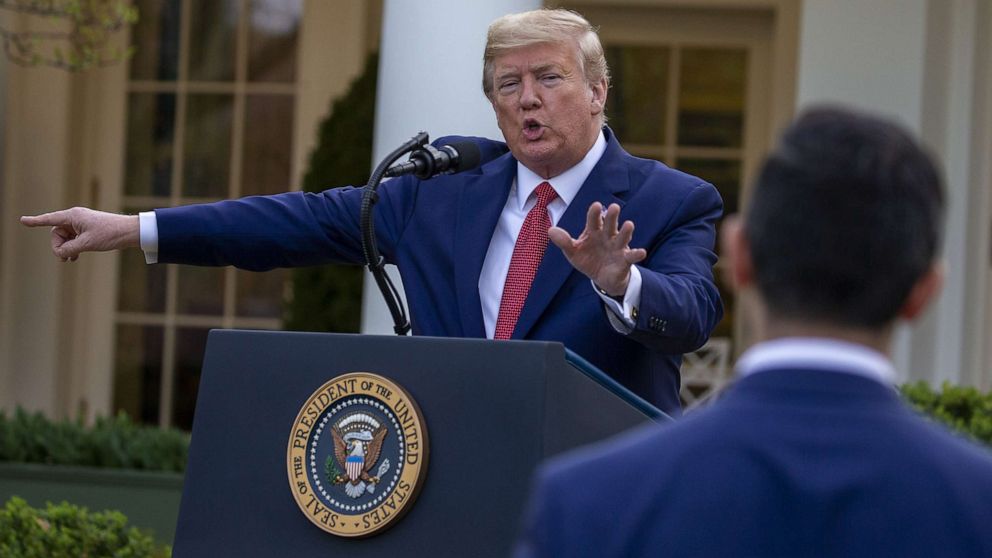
(811, 452)
(467, 268)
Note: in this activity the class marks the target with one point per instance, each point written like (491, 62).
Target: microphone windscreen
(469, 155)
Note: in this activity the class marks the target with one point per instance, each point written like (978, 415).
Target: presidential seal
(357, 455)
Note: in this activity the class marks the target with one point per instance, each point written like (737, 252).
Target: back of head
(544, 26)
(845, 219)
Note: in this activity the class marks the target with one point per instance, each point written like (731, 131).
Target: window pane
(155, 37)
(268, 144)
(207, 146)
(142, 286)
(213, 31)
(200, 290)
(191, 343)
(272, 39)
(724, 174)
(711, 97)
(635, 104)
(150, 131)
(259, 295)
(138, 372)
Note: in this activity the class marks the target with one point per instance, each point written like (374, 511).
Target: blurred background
(228, 98)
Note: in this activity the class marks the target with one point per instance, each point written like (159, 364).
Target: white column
(915, 60)
(430, 78)
(34, 175)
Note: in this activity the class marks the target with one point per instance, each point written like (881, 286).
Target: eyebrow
(540, 68)
(545, 67)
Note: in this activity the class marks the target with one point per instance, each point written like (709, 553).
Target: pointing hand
(79, 230)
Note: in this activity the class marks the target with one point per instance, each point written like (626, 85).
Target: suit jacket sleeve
(680, 304)
(294, 229)
(284, 230)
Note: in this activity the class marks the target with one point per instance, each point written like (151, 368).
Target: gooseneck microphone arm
(373, 260)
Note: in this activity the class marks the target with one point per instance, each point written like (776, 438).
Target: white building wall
(916, 61)
(430, 79)
(35, 174)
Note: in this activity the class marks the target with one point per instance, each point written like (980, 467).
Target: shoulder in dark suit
(788, 463)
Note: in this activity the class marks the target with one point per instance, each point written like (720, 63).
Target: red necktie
(527, 255)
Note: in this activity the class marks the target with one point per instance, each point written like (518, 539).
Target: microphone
(428, 161)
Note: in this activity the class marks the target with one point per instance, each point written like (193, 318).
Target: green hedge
(68, 531)
(118, 442)
(963, 408)
(114, 442)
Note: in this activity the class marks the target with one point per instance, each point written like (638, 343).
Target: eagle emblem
(358, 442)
(357, 454)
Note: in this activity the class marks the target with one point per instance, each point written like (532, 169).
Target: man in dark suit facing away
(468, 268)
(811, 452)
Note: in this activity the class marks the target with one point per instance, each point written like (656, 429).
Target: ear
(926, 289)
(738, 269)
(598, 99)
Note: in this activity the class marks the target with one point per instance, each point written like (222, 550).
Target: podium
(493, 410)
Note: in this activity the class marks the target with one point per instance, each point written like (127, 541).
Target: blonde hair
(545, 26)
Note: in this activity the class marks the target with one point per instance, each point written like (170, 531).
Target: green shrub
(114, 442)
(963, 408)
(69, 531)
(329, 297)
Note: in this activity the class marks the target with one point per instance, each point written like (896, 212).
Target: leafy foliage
(114, 442)
(78, 42)
(328, 298)
(963, 408)
(331, 471)
(69, 531)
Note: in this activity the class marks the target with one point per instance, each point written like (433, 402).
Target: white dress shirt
(818, 353)
(497, 261)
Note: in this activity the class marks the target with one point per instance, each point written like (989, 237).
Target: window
(210, 115)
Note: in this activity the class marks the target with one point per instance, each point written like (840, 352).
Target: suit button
(633, 313)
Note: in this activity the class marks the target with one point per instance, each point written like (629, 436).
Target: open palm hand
(602, 251)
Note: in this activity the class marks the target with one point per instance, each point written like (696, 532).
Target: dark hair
(845, 219)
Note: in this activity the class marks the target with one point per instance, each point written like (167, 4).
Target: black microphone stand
(373, 260)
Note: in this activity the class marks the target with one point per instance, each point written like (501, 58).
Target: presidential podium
(491, 410)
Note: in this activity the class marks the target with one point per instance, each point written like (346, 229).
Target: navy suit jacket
(787, 463)
(438, 232)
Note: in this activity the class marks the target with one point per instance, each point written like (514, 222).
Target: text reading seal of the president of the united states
(357, 455)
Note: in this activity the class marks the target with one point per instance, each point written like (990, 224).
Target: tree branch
(90, 22)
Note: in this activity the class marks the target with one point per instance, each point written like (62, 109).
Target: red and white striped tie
(527, 255)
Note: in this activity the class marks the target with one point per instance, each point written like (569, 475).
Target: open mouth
(532, 128)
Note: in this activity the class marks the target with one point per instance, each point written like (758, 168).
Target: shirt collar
(819, 353)
(566, 184)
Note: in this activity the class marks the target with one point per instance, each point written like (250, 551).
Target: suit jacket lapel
(481, 203)
(605, 183)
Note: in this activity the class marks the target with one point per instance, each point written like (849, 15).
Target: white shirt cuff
(148, 232)
(623, 317)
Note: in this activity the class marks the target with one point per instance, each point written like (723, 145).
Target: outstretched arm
(80, 229)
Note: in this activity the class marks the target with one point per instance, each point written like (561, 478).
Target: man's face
(548, 113)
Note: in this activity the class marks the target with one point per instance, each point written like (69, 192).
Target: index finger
(45, 219)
